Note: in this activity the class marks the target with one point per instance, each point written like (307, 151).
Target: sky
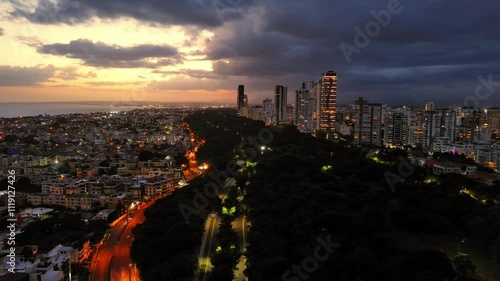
(390, 51)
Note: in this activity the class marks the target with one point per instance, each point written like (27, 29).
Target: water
(34, 109)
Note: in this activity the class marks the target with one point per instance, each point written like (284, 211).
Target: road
(121, 268)
(112, 260)
(240, 225)
(207, 246)
(241, 228)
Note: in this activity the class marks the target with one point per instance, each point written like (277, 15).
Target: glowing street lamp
(203, 168)
(460, 242)
(130, 272)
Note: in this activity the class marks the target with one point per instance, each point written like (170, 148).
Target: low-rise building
(79, 202)
(450, 167)
(486, 178)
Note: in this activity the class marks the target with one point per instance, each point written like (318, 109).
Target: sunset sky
(200, 50)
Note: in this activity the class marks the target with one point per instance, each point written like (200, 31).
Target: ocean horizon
(25, 109)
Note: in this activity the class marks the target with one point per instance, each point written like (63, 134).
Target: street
(240, 226)
(207, 245)
(112, 260)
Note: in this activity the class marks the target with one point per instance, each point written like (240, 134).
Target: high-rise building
(304, 107)
(396, 129)
(368, 124)
(240, 102)
(257, 113)
(280, 104)
(429, 106)
(267, 106)
(267, 111)
(416, 136)
(494, 117)
(440, 124)
(449, 125)
(469, 125)
(485, 130)
(326, 102)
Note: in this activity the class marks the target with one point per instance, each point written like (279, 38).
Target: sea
(9, 110)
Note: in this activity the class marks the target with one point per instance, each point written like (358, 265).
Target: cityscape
(249, 140)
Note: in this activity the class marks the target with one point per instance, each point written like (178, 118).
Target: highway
(240, 226)
(112, 260)
(121, 268)
(207, 245)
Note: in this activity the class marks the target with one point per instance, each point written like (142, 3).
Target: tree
(10, 138)
(463, 264)
(30, 139)
(97, 226)
(496, 249)
(112, 171)
(112, 216)
(119, 208)
(65, 168)
(27, 252)
(146, 155)
(426, 265)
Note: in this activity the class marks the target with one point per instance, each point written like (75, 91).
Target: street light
(203, 168)
(460, 241)
(130, 272)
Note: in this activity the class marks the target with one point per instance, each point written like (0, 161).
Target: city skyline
(194, 51)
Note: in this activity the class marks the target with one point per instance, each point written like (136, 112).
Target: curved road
(112, 260)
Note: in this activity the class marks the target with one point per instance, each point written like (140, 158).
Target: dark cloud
(12, 76)
(1, 32)
(102, 55)
(178, 12)
(193, 73)
(432, 49)
(443, 45)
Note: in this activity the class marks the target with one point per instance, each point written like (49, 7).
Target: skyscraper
(468, 130)
(367, 129)
(396, 129)
(440, 126)
(304, 107)
(485, 129)
(326, 101)
(267, 110)
(429, 106)
(240, 102)
(280, 103)
(494, 117)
